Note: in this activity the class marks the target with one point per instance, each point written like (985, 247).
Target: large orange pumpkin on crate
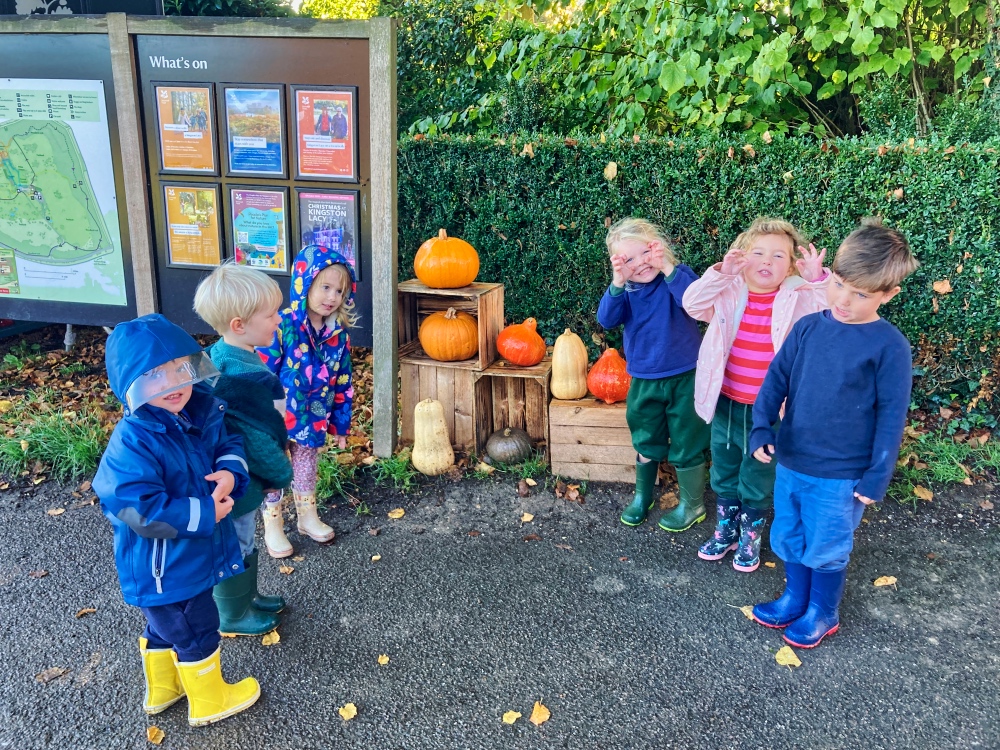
(608, 379)
(449, 336)
(445, 262)
(520, 344)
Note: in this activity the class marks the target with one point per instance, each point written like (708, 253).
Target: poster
(59, 235)
(184, 123)
(326, 134)
(330, 220)
(193, 237)
(259, 236)
(253, 131)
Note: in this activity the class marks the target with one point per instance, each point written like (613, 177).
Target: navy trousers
(189, 627)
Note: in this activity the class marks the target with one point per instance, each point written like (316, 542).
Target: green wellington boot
(645, 480)
(691, 507)
(263, 602)
(234, 598)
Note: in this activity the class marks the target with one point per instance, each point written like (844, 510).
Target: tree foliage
(355, 9)
(245, 8)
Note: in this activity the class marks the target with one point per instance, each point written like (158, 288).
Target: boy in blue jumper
(166, 483)
(661, 344)
(844, 375)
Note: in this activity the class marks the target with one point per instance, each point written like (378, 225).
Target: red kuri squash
(520, 344)
(608, 379)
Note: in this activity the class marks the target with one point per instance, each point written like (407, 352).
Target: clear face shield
(171, 376)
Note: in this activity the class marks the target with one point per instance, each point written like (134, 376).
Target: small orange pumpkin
(520, 344)
(608, 379)
(445, 262)
(449, 336)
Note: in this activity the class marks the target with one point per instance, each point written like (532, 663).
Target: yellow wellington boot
(163, 685)
(211, 698)
(308, 519)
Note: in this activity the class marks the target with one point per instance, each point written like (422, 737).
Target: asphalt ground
(624, 634)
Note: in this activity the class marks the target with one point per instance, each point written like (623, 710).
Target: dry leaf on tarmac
(522, 489)
(986, 505)
(510, 717)
(376, 558)
(383, 659)
(923, 493)
(668, 500)
(539, 714)
(532, 538)
(885, 581)
(747, 611)
(787, 658)
(374, 532)
(155, 735)
(286, 569)
(396, 513)
(270, 639)
(84, 612)
(530, 482)
(38, 574)
(56, 511)
(769, 565)
(475, 532)
(527, 518)
(566, 547)
(484, 468)
(85, 487)
(52, 673)
(560, 489)
(348, 711)
(299, 558)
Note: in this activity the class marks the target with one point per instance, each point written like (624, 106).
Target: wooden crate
(484, 302)
(466, 399)
(589, 439)
(519, 398)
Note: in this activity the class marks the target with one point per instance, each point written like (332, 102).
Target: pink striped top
(752, 351)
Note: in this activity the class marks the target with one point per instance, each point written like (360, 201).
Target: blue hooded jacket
(151, 481)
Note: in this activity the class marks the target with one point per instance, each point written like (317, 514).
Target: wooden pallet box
(589, 439)
(465, 399)
(519, 397)
(484, 302)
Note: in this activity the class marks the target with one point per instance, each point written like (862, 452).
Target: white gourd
(432, 452)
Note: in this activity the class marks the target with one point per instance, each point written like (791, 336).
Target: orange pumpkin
(449, 336)
(445, 262)
(608, 379)
(520, 344)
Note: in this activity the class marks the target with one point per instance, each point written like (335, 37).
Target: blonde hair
(764, 225)
(642, 230)
(233, 291)
(874, 257)
(345, 315)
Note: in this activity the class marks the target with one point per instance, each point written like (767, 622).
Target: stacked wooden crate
(589, 439)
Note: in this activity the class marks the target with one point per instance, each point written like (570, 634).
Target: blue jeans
(814, 519)
(190, 627)
(246, 527)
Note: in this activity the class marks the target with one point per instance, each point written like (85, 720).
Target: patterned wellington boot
(792, 603)
(727, 531)
(747, 557)
(275, 541)
(691, 508)
(308, 519)
(645, 481)
(822, 618)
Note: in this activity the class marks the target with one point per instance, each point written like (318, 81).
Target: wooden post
(133, 156)
(385, 362)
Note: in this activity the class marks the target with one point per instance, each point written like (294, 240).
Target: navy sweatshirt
(848, 391)
(661, 339)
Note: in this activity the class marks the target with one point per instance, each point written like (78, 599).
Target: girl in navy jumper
(661, 350)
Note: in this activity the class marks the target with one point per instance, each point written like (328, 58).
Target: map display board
(60, 238)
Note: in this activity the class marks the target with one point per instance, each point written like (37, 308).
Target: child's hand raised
(224, 483)
(734, 262)
(810, 265)
(620, 272)
(764, 453)
(656, 259)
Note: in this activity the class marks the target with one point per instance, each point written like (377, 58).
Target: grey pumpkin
(509, 445)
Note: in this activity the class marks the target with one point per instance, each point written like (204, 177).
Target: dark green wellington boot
(691, 507)
(261, 601)
(645, 480)
(233, 597)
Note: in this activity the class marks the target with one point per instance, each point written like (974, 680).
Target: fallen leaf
(766, 136)
(369, 460)
(622, 559)
(532, 538)
(787, 177)
(571, 142)
(154, 734)
(376, 558)
(923, 493)
(565, 547)
(37, 481)
(270, 639)
(897, 194)
(85, 487)
(52, 673)
(383, 659)
(374, 532)
(38, 574)
(731, 152)
(475, 532)
(882, 150)
(510, 717)
(747, 611)
(560, 489)
(769, 565)
(539, 714)
(56, 511)
(485, 468)
(610, 172)
(397, 513)
(85, 611)
(885, 581)
(668, 500)
(5, 486)
(986, 505)
(530, 482)
(573, 495)
(943, 286)
(528, 151)
(24, 445)
(787, 658)
(348, 711)
(299, 558)
(523, 490)
(286, 569)
(751, 152)
(527, 518)
(931, 556)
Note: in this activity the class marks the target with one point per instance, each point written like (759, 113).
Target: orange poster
(326, 134)
(186, 128)
(192, 226)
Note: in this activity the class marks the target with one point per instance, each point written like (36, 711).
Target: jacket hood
(308, 263)
(140, 345)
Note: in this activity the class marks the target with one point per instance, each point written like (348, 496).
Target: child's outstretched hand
(224, 483)
(620, 272)
(764, 453)
(810, 265)
(656, 259)
(865, 500)
(734, 262)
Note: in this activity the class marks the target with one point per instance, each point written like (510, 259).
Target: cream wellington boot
(275, 540)
(163, 685)
(308, 520)
(211, 698)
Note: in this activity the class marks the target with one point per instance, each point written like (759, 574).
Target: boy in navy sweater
(844, 375)
(661, 350)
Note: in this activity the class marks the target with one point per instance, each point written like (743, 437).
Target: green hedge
(538, 220)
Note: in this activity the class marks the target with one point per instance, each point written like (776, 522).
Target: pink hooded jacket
(719, 300)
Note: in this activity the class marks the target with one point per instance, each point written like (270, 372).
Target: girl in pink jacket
(750, 301)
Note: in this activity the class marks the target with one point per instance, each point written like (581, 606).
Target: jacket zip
(159, 564)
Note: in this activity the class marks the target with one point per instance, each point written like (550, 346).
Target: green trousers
(736, 474)
(663, 422)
